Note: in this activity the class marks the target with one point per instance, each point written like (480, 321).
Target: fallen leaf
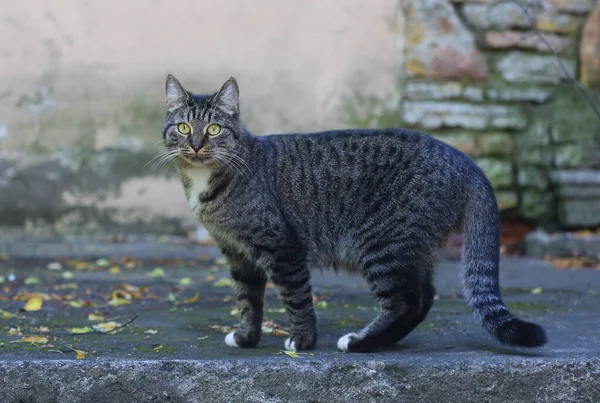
(185, 281)
(292, 354)
(34, 339)
(6, 315)
(209, 277)
(32, 280)
(279, 332)
(163, 238)
(81, 330)
(54, 266)
(33, 304)
(151, 331)
(2, 280)
(158, 272)
(102, 262)
(119, 301)
(106, 327)
(95, 317)
(224, 282)
(221, 329)
(67, 275)
(321, 305)
(221, 261)
(537, 290)
(279, 310)
(192, 299)
(80, 354)
(157, 348)
(76, 304)
(203, 337)
(114, 270)
(67, 286)
(14, 331)
(44, 329)
(79, 264)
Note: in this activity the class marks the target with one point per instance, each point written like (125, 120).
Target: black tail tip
(517, 332)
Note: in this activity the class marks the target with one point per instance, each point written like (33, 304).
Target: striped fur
(378, 203)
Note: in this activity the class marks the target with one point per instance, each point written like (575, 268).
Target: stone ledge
(541, 244)
(360, 380)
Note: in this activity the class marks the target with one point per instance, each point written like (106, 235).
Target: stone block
(495, 144)
(499, 172)
(579, 7)
(578, 193)
(436, 115)
(533, 177)
(536, 204)
(552, 21)
(524, 67)
(447, 51)
(464, 142)
(498, 15)
(589, 51)
(529, 40)
(571, 155)
(519, 94)
(432, 90)
(575, 213)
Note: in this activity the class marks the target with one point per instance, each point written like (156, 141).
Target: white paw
(290, 345)
(230, 340)
(345, 340)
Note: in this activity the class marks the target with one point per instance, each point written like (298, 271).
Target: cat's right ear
(176, 95)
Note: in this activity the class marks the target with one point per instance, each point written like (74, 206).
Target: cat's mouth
(196, 160)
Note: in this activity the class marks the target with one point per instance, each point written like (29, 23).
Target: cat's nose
(196, 148)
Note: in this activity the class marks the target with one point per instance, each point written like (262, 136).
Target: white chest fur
(198, 178)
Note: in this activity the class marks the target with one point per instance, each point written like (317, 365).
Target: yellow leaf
(157, 273)
(54, 266)
(119, 302)
(95, 317)
(537, 290)
(32, 280)
(209, 277)
(221, 329)
(279, 332)
(67, 275)
(102, 262)
(14, 332)
(80, 265)
(82, 330)
(158, 348)
(192, 299)
(185, 281)
(44, 329)
(80, 354)
(33, 304)
(163, 239)
(6, 315)
(34, 339)
(234, 311)
(292, 354)
(106, 327)
(76, 304)
(224, 282)
(115, 270)
(151, 331)
(321, 305)
(272, 310)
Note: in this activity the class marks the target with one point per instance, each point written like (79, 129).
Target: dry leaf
(221, 329)
(292, 354)
(321, 305)
(33, 304)
(185, 281)
(34, 339)
(114, 270)
(209, 277)
(67, 275)
(279, 332)
(224, 282)
(102, 262)
(6, 315)
(95, 317)
(44, 329)
(32, 280)
(151, 331)
(119, 302)
(106, 327)
(272, 310)
(234, 311)
(80, 354)
(192, 299)
(158, 272)
(536, 290)
(76, 304)
(81, 330)
(54, 266)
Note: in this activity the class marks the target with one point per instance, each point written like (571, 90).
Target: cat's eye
(184, 128)
(213, 129)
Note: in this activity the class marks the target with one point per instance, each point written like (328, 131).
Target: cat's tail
(480, 256)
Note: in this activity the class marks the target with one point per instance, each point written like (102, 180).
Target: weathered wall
(480, 77)
(81, 99)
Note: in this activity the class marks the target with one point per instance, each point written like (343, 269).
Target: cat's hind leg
(395, 279)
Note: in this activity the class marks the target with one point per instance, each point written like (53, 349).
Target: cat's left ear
(176, 95)
(228, 98)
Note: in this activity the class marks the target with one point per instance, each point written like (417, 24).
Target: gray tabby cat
(378, 203)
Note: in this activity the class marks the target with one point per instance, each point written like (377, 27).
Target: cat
(376, 202)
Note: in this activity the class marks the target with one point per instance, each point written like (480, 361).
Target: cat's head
(201, 129)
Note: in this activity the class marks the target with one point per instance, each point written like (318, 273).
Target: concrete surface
(169, 352)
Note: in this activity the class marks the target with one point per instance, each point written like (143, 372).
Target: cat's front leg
(293, 281)
(250, 285)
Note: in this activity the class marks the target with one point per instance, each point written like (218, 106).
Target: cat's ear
(228, 98)
(175, 94)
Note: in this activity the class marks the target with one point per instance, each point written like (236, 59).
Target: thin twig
(100, 331)
(555, 53)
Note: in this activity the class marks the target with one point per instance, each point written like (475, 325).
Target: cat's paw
(241, 339)
(300, 342)
(346, 341)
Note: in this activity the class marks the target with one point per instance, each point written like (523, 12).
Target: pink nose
(196, 148)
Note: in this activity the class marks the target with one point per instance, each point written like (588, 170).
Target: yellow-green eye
(213, 129)
(184, 128)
